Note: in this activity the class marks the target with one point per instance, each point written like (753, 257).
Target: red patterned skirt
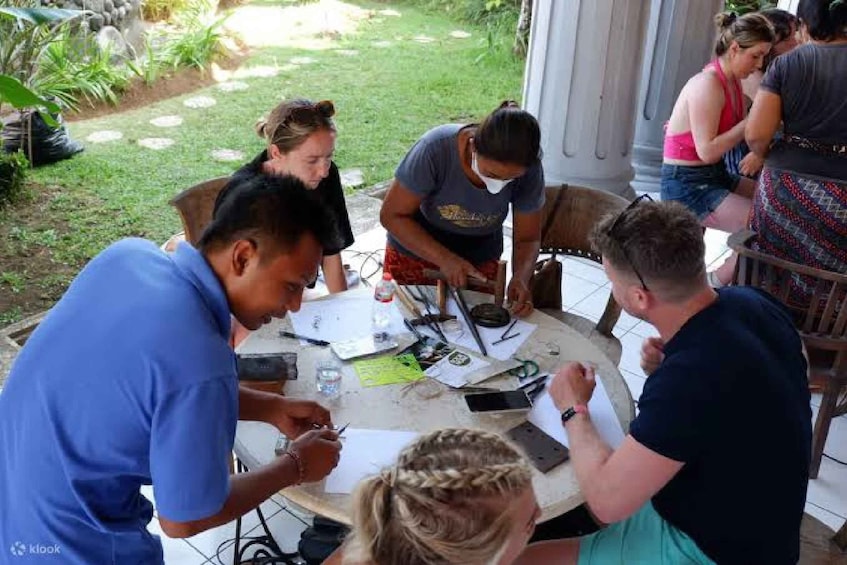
(409, 270)
(802, 220)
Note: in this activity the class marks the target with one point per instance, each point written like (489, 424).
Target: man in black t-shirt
(716, 464)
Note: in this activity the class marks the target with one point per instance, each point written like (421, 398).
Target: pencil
(311, 340)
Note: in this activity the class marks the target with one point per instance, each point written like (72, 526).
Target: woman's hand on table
(318, 451)
(519, 297)
(457, 271)
(573, 384)
(296, 417)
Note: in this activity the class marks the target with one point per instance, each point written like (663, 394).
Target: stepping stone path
(167, 121)
(347, 52)
(233, 86)
(392, 13)
(381, 44)
(200, 102)
(459, 34)
(104, 136)
(260, 71)
(156, 143)
(352, 177)
(227, 155)
(302, 60)
(424, 39)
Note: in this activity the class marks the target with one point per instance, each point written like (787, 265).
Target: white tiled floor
(585, 292)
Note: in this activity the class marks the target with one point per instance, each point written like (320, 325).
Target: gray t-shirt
(811, 80)
(464, 218)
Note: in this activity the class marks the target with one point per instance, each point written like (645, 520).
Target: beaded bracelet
(298, 462)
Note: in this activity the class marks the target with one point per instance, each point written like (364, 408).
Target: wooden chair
(195, 206)
(822, 324)
(577, 212)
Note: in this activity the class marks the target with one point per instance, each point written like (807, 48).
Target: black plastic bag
(49, 144)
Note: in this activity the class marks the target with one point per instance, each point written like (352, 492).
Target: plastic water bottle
(383, 300)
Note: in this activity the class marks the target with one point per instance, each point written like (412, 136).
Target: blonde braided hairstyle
(444, 502)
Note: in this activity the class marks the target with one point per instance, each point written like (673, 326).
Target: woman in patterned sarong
(800, 209)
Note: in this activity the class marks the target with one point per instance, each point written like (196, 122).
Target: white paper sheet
(546, 416)
(455, 368)
(501, 351)
(365, 453)
(341, 318)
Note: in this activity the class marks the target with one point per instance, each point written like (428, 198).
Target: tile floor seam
(833, 512)
(298, 517)
(231, 542)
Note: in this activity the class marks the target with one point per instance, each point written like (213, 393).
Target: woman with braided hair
(455, 496)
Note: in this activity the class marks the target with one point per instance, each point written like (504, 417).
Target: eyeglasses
(622, 244)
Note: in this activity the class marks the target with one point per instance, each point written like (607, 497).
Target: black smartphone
(267, 366)
(502, 401)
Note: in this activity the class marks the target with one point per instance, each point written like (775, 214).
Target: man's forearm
(589, 452)
(256, 405)
(247, 491)
(524, 256)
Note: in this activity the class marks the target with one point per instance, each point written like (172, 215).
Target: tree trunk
(522, 32)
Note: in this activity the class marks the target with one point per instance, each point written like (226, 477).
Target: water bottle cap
(386, 276)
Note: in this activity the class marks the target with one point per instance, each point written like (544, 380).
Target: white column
(680, 41)
(581, 82)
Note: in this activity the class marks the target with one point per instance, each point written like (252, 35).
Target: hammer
(497, 287)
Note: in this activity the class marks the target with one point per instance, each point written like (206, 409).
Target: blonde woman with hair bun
(706, 122)
(300, 142)
(454, 497)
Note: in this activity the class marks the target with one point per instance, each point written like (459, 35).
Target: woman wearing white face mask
(451, 194)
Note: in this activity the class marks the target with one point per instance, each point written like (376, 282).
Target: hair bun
(260, 127)
(325, 108)
(508, 104)
(725, 19)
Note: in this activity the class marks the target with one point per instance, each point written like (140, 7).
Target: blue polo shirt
(128, 381)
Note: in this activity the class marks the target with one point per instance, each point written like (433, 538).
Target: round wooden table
(398, 407)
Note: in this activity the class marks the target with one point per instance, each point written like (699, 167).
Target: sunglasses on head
(622, 244)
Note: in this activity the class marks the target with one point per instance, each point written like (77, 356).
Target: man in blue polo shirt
(130, 381)
(716, 464)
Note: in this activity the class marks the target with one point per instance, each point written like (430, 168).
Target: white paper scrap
(341, 319)
(455, 368)
(546, 416)
(365, 453)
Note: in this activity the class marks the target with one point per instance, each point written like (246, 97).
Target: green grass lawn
(386, 97)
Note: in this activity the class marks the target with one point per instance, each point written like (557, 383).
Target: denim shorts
(700, 189)
(644, 538)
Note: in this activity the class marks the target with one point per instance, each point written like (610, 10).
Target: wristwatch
(573, 411)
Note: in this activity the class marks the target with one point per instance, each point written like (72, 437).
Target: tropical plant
(150, 65)
(746, 6)
(158, 10)
(75, 65)
(13, 166)
(14, 93)
(27, 32)
(199, 39)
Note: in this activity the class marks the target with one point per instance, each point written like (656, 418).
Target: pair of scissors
(526, 370)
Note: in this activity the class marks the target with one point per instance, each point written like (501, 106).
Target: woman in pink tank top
(708, 120)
